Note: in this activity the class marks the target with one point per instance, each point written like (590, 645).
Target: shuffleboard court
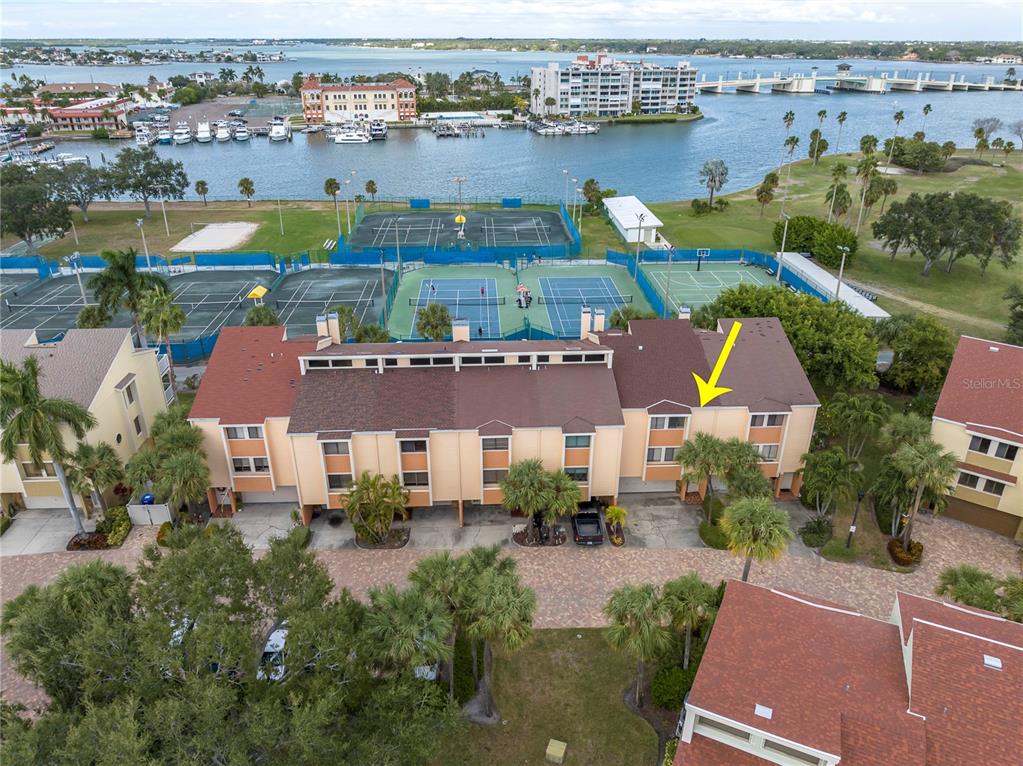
(565, 297)
(439, 229)
(474, 299)
(299, 298)
(689, 288)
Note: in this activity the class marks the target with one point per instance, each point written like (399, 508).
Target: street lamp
(75, 261)
(841, 269)
(459, 180)
(781, 255)
(139, 222)
(348, 210)
(852, 527)
(639, 238)
(574, 198)
(579, 208)
(564, 196)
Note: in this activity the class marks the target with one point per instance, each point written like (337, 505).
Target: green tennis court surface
(688, 287)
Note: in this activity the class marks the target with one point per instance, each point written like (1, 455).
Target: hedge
(115, 524)
(713, 536)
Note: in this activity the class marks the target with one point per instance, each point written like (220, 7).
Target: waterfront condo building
(124, 388)
(296, 420)
(797, 681)
(108, 112)
(979, 418)
(335, 102)
(605, 87)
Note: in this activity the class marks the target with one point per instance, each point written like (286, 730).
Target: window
(495, 443)
(576, 442)
(335, 448)
(493, 360)
(415, 479)
(759, 421)
(722, 727)
(791, 752)
(260, 465)
(442, 360)
(30, 471)
(980, 444)
(317, 363)
(340, 362)
(494, 476)
(420, 361)
(659, 422)
(245, 432)
(661, 454)
(543, 358)
(578, 474)
(137, 422)
(572, 358)
(994, 487)
(413, 445)
(129, 393)
(1006, 451)
(594, 358)
(390, 362)
(339, 480)
(472, 360)
(968, 480)
(525, 359)
(768, 452)
(250, 465)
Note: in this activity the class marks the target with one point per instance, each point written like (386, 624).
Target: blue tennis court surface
(473, 299)
(565, 297)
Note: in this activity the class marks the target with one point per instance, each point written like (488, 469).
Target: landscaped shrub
(712, 536)
(816, 532)
(465, 686)
(115, 524)
(701, 206)
(716, 508)
(835, 550)
(90, 541)
(302, 536)
(5, 521)
(903, 558)
(669, 686)
(670, 748)
(162, 532)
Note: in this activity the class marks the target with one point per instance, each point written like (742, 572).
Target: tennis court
(688, 287)
(49, 307)
(299, 298)
(564, 298)
(213, 299)
(438, 229)
(474, 299)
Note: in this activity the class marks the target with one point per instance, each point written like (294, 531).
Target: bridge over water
(846, 82)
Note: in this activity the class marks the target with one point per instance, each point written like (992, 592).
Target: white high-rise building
(605, 87)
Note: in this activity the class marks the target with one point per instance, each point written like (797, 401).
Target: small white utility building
(633, 220)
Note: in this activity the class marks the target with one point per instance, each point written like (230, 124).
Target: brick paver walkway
(573, 583)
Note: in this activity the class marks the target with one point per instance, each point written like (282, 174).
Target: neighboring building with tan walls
(296, 420)
(336, 102)
(124, 388)
(979, 418)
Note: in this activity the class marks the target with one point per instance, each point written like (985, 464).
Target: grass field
(566, 685)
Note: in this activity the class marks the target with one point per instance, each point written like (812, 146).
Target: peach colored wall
(246, 447)
(419, 498)
(663, 472)
(667, 437)
(797, 438)
(492, 496)
(253, 484)
(338, 463)
(766, 435)
(376, 453)
(495, 459)
(337, 500)
(454, 461)
(213, 446)
(281, 463)
(545, 444)
(311, 481)
(577, 456)
(634, 441)
(722, 423)
(413, 461)
(606, 457)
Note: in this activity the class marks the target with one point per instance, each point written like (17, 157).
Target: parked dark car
(588, 526)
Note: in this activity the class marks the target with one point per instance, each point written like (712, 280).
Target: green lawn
(561, 687)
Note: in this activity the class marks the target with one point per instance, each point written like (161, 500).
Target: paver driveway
(573, 583)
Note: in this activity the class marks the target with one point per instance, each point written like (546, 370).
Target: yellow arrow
(709, 389)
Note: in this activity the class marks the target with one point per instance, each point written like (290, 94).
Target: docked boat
(203, 134)
(64, 158)
(352, 136)
(241, 133)
(312, 129)
(223, 132)
(144, 136)
(378, 130)
(579, 129)
(164, 136)
(279, 130)
(182, 133)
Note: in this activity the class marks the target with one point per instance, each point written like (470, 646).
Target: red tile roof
(965, 618)
(984, 386)
(252, 375)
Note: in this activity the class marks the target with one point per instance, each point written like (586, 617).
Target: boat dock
(45, 146)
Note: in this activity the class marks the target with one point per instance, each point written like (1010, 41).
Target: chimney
(598, 320)
(460, 330)
(334, 328)
(321, 326)
(584, 323)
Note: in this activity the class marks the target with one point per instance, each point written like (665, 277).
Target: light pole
(163, 209)
(383, 286)
(781, 255)
(348, 210)
(579, 209)
(852, 527)
(74, 230)
(564, 196)
(667, 285)
(459, 180)
(575, 198)
(337, 212)
(639, 238)
(841, 269)
(280, 215)
(145, 248)
(76, 263)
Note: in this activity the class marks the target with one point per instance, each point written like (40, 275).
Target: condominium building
(793, 680)
(335, 102)
(124, 388)
(108, 112)
(979, 418)
(605, 87)
(298, 419)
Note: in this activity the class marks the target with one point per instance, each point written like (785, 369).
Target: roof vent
(992, 348)
(763, 711)
(992, 662)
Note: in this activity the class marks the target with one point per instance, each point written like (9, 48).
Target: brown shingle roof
(253, 374)
(476, 347)
(440, 398)
(985, 387)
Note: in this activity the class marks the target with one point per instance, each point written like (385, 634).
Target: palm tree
(162, 317)
(549, 102)
(348, 322)
(701, 458)
(615, 517)
(903, 428)
(790, 143)
(899, 116)
(371, 189)
(440, 575)
(121, 285)
(829, 479)
(434, 321)
(866, 169)
(331, 187)
(765, 196)
(29, 418)
(788, 118)
(969, 585)
(202, 189)
(948, 149)
(372, 333)
(926, 468)
(92, 317)
(407, 629)
(838, 173)
(858, 416)
(637, 617)
(258, 73)
(888, 187)
(91, 469)
(926, 110)
(565, 497)
(183, 479)
(373, 503)
(527, 489)
(143, 467)
(227, 75)
(500, 610)
(842, 116)
(839, 200)
(756, 529)
(247, 74)
(261, 315)
(982, 143)
(689, 602)
(247, 189)
(821, 116)
(868, 144)
(713, 175)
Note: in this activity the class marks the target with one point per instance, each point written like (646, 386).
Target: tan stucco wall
(545, 444)
(797, 438)
(455, 458)
(722, 423)
(281, 464)
(954, 438)
(606, 461)
(311, 480)
(634, 440)
(213, 445)
(376, 453)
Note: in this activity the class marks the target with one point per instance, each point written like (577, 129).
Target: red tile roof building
(335, 102)
(108, 112)
(797, 681)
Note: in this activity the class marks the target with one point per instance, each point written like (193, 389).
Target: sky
(765, 19)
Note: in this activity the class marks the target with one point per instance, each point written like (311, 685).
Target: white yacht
(223, 131)
(352, 136)
(164, 136)
(143, 135)
(378, 130)
(203, 134)
(279, 130)
(182, 133)
(580, 129)
(241, 133)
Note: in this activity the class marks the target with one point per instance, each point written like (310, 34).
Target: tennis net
(587, 300)
(498, 300)
(43, 307)
(325, 303)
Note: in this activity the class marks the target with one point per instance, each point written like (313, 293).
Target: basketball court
(688, 287)
(474, 299)
(564, 298)
(300, 297)
(439, 229)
